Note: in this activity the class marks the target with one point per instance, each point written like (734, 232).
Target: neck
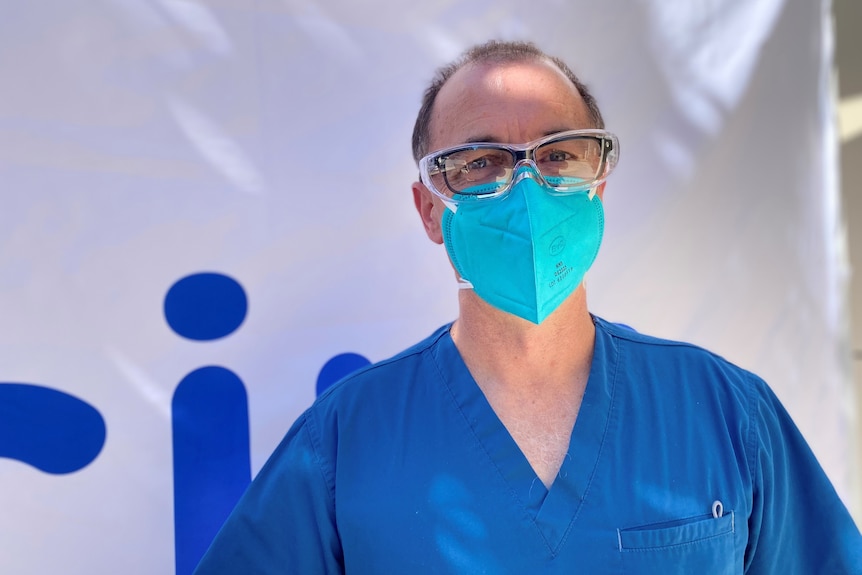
(513, 353)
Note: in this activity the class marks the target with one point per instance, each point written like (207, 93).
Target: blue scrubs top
(403, 467)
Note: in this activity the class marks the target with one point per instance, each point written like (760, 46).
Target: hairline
(492, 53)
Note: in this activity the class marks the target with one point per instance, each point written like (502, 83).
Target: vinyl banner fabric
(207, 219)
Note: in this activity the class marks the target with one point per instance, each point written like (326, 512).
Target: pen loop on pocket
(717, 509)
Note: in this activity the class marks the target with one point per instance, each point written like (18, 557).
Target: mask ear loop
(453, 207)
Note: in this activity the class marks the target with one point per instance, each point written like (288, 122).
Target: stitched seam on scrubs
(636, 337)
(409, 352)
(752, 445)
(753, 468)
(613, 384)
(676, 546)
(502, 477)
(327, 474)
(727, 531)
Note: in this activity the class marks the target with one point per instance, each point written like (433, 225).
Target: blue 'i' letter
(209, 415)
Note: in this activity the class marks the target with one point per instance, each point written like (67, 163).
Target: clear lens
(575, 157)
(472, 167)
(569, 161)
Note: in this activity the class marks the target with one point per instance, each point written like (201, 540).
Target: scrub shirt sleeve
(798, 525)
(285, 521)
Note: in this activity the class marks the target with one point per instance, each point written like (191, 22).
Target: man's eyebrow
(476, 139)
(557, 131)
(493, 140)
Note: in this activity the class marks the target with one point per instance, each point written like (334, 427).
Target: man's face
(510, 103)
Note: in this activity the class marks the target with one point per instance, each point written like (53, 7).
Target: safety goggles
(565, 162)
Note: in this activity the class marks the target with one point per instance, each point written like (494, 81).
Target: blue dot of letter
(205, 306)
(337, 367)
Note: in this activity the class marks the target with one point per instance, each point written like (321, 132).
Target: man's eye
(558, 156)
(476, 164)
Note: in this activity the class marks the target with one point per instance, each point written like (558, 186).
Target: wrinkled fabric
(679, 462)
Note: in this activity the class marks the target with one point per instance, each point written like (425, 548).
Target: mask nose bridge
(525, 168)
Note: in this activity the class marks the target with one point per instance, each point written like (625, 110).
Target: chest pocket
(703, 544)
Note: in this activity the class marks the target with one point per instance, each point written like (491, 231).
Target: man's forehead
(481, 91)
(492, 76)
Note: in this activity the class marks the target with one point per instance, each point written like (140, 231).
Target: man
(530, 436)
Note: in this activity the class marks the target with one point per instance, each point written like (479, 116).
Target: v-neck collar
(553, 511)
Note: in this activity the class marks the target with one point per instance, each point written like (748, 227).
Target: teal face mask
(526, 252)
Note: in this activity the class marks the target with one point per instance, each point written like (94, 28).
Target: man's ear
(601, 191)
(430, 209)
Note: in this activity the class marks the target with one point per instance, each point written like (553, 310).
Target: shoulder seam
(417, 349)
(753, 428)
(309, 428)
(642, 339)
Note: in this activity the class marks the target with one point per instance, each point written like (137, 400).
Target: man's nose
(526, 168)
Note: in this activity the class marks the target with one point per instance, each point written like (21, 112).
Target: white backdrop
(143, 141)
